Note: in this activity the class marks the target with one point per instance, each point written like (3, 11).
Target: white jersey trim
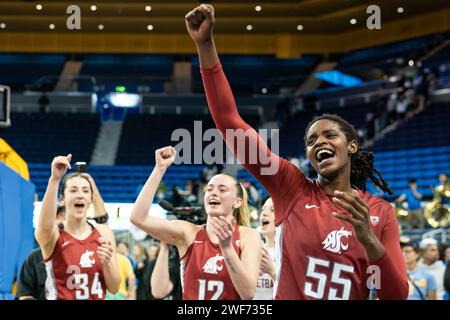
(278, 256)
(51, 292)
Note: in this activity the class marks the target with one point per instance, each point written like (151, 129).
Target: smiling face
(77, 196)
(267, 218)
(328, 149)
(221, 198)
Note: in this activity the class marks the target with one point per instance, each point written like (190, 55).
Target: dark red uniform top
(74, 270)
(204, 271)
(317, 254)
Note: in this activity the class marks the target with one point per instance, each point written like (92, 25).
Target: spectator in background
(446, 255)
(31, 284)
(188, 193)
(447, 282)
(446, 258)
(438, 191)
(252, 191)
(401, 106)
(43, 102)
(422, 285)
(390, 107)
(165, 278)
(177, 197)
(430, 263)
(139, 254)
(127, 277)
(124, 249)
(143, 271)
(412, 198)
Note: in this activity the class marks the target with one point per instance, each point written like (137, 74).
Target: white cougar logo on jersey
(333, 241)
(211, 266)
(86, 261)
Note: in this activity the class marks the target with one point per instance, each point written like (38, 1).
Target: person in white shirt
(430, 263)
(264, 289)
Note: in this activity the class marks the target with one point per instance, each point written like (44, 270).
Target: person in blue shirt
(422, 285)
(413, 197)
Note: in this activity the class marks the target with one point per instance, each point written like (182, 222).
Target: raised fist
(200, 23)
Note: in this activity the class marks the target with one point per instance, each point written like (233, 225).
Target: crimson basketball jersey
(317, 254)
(74, 270)
(204, 272)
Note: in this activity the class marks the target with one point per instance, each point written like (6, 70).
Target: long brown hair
(71, 176)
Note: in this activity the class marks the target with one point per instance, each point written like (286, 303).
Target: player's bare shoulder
(104, 230)
(247, 235)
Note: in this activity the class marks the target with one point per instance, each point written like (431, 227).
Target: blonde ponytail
(242, 214)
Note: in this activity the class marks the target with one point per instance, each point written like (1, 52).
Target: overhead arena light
(124, 100)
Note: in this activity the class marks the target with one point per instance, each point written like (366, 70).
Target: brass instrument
(436, 212)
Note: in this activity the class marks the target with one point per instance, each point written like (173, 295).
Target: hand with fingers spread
(359, 219)
(60, 165)
(359, 211)
(223, 229)
(200, 23)
(267, 265)
(165, 157)
(105, 251)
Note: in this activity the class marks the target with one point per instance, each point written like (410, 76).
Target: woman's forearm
(242, 281)
(160, 279)
(145, 198)
(47, 216)
(112, 276)
(207, 53)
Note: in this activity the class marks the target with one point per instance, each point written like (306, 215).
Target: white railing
(433, 233)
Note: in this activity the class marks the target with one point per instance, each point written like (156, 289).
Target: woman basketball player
(78, 256)
(335, 239)
(219, 260)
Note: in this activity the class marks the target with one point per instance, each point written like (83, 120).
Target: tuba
(436, 212)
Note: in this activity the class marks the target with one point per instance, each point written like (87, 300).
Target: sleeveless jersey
(74, 270)
(205, 275)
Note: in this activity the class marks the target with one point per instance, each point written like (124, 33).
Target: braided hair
(362, 162)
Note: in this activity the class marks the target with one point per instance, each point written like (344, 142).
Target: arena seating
(38, 137)
(19, 70)
(143, 134)
(249, 74)
(131, 71)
